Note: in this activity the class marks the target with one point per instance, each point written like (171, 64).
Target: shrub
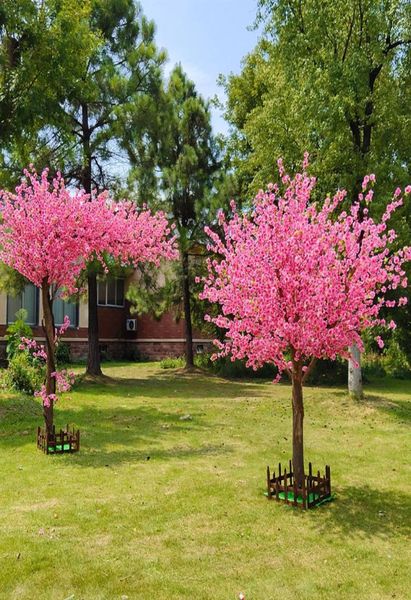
(395, 362)
(203, 361)
(329, 372)
(372, 366)
(172, 362)
(225, 367)
(15, 331)
(63, 355)
(25, 374)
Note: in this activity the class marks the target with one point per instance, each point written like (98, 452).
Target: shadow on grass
(14, 407)
(171, 385)
(130, 421)
(400, 409)
(98, 426)
(367, 512)
(111, 458)
(102, 428)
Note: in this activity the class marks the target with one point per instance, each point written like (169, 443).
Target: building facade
(122, 334)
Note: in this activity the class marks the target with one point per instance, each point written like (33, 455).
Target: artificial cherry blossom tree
(48, 234)
(298, 281)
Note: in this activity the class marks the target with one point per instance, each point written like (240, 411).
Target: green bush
(392, 362)
(372, 366)
(395, 362)
(15, 331)
(225, 367)
(203, 361)
(172, 363)
(24, 374)
(63, 355)
(326, 372)
(4, 384)
(329, 372)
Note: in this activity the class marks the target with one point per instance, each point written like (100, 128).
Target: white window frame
(105, 283)
(36, 306)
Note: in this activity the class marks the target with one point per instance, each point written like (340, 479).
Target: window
(110, 292)
(61, 308)
(28, 300)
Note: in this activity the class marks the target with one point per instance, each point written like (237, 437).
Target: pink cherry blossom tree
(48, 234)
(298, 281)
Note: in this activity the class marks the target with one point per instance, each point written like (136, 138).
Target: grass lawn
(158, 505)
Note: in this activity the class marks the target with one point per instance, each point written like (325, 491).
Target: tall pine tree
(124, 70)
(184, 159)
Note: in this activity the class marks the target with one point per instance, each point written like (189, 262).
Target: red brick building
(122, 334)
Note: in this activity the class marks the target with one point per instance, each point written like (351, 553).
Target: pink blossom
(379, 341)
(65, 326)
(65, 230)
(37, 350)
(49, 234)
(296, 276)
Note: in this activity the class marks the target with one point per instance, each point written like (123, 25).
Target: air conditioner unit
(131, 324)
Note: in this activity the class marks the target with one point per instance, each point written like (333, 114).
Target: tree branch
(310, 368)
(347, 41)
(395, 45)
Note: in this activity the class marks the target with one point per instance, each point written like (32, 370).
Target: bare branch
(347, 41)
(309, 370)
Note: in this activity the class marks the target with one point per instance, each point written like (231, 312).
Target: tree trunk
(298, 440)
(49, 331)
(187, 311)
(93, 358)
(354, 374)
(362, 147)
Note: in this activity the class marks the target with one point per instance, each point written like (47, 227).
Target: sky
(207, 37)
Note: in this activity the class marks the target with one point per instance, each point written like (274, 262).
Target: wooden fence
(58, 442)
(315, 488)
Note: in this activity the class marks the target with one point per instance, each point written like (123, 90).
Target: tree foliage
(44, 49)
(332, 78)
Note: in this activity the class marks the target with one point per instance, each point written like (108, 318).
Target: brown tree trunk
(49, 332)
(187, 312)
(93, 357)
(298, 418)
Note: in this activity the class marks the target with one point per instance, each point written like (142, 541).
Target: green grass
(158, 507)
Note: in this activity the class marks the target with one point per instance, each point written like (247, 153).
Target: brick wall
(154, 339)
(166, 327)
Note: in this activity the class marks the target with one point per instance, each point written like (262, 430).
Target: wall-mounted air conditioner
(131, 324)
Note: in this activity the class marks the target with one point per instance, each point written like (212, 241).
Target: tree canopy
(44, 49)
(332, 78)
